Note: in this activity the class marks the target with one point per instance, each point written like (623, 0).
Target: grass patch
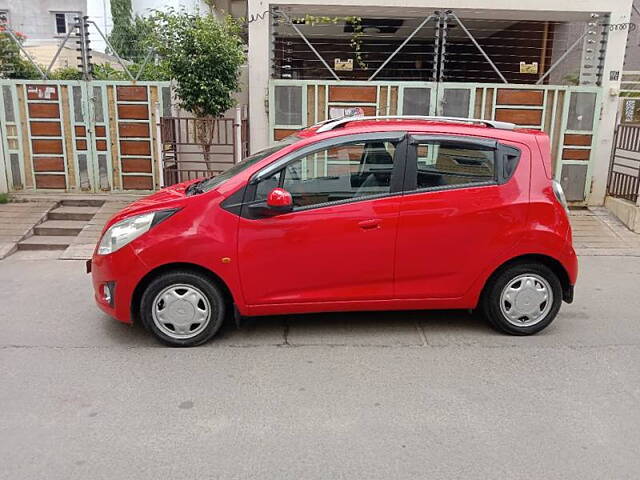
(4, 198)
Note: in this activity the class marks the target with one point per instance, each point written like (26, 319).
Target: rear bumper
(567, 295)
(570, 263)
(122, 271)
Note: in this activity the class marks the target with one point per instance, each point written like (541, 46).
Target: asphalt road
(350, 396)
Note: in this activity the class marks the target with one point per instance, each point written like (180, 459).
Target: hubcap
(526, 300)
(181, 311)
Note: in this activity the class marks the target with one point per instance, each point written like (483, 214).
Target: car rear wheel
(182, 309)
(522, 299)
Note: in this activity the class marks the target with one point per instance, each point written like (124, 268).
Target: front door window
(340, 173)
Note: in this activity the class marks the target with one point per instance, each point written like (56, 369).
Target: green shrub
(66, 73)
(12, 64)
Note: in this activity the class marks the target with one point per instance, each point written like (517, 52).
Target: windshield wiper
(194, 189)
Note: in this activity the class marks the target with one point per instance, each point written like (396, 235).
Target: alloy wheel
(181, 311)
(526, 300)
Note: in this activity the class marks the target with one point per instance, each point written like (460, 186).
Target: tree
(120, 32)
(204, 55)
(131, 35)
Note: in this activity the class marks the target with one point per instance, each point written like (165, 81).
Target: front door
(338, 243)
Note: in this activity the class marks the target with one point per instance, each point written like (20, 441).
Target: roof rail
(330, 120)
(327, 126)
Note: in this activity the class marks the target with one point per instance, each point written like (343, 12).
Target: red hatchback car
(359, 213)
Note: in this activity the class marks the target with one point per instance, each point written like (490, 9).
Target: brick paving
(596, 232)
(17, 221)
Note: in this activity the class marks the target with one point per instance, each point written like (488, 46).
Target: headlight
(127, 230)
(559, 193)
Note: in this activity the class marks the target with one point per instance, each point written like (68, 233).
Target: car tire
(522, 299)
(182, 308)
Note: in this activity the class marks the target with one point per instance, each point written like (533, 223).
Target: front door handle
(369, 224)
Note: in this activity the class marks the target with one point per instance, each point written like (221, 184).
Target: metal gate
(81, 136)
(566, 114)
(624, 170)
(202, 147)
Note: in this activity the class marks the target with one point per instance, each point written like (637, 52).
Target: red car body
(408, 250)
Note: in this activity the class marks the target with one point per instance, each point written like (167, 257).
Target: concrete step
(81, 202)
(73, 213)
(59, 228)
(45, 242)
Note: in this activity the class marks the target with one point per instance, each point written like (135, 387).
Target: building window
(64, 21)
(4, 17)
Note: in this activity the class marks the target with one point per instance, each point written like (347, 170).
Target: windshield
(212, 182)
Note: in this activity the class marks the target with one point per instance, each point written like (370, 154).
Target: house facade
(540, 67)
(42, 21)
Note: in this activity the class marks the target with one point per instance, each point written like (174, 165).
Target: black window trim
(397, 174)
(478, 141)
(323, 145)
(501, 175)
(506, 166)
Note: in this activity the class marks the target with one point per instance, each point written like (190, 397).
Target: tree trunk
(206, 131)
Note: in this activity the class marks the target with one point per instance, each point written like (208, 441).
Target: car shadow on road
(388, 328)
(126, 334)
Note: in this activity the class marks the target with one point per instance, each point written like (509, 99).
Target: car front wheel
(522, 299)
(182, 308)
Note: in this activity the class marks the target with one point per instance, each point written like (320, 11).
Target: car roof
(413, 125)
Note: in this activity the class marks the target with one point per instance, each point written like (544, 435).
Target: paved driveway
(372, 396)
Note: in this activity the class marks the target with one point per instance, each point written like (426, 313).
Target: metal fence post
(4, 182)
(158, 127)
(612, 157)
(237, 135)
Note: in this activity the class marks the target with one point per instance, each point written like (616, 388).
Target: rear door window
(436, 163)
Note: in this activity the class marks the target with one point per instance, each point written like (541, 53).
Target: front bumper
(121, 271)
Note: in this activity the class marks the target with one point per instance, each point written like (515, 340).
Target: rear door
(462, 206)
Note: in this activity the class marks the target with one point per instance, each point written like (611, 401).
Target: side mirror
(278, 201)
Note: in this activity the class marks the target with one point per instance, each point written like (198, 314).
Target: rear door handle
(369, 224)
